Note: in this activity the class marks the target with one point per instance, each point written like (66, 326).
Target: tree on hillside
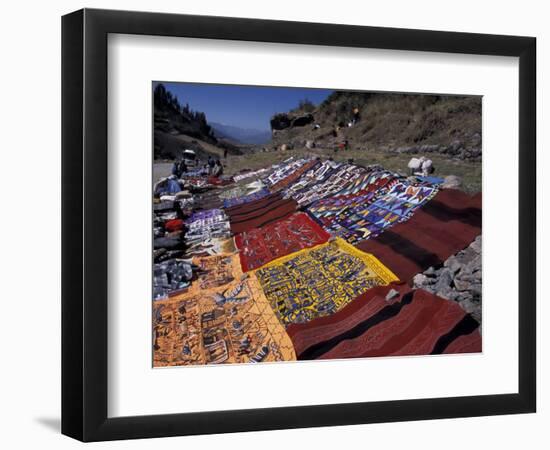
(306, 105)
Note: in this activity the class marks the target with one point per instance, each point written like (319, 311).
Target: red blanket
(413, 323)
(261, 216)
(253, 205)
(443, 227)
(262, 245)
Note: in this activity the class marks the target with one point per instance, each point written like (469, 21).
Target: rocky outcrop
(456, 149)
(282, 121)
(459, 279)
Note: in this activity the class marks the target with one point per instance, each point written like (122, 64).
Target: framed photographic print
(274, 225)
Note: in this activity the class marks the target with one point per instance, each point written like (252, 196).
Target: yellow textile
(223, 317)
(319, 281)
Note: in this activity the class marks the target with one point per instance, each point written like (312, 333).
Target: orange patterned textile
(223, 318)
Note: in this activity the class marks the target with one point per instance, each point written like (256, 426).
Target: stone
(455, 146)
(476, 289)
(453, 264)
(430, 272)
(444, 293)
(461, 285)
(392, 294)
(473, 265)
(451, 182)
(448, 294)
(420, 280)
(427, 148)
(476, 244)
(445, 279)
(468, 305)
(302, 120)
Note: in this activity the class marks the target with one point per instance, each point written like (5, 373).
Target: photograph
(299, 224)
(257, 224)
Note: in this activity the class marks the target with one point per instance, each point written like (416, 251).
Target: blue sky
(242, 106)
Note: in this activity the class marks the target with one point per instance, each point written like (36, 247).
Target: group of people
(213, 167)
(179, 168)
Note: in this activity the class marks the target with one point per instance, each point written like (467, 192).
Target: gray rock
(451, 182)
(427, 148)
(445, 279)
(473, 265)
(476, 289)
(430, 272)
(453, 264)
(420, 280)
(449, 294)
(469, 277)
(476, 245)
(468, 305)
(445, 293)
(461, 285)
(455, 145)
(392, 294)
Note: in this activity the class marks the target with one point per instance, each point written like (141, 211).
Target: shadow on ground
(53, 423)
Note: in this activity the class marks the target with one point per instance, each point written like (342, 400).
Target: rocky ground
(459, 279)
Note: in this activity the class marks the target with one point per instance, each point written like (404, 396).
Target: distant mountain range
(241, 135)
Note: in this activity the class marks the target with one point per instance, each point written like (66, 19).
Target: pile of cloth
(306, 259)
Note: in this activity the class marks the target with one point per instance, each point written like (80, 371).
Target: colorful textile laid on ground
(313, 176)
(216, 323)
(270, 212)
(285, 169)
(319, 281)
(205, 225)
(252, 205)
(234, 192)
(370, 182)
(262, 245)
(292, 177)
(444, 226)
(309, 260)
(411, 323)
(245, 175)
(359, 217)
(228, 203)
(212, 246)
(337, 181)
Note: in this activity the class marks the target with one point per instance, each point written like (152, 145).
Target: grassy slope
(392, 120)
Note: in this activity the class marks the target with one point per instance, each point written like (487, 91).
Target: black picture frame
(84, 224)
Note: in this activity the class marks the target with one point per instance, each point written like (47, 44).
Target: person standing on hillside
(355, 116)
(211, 164)
(224, 153)
(217, 171)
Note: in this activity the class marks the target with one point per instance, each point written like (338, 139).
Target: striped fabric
(441, 228)
(414, 322)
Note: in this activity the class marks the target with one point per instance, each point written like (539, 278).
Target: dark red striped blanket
(415, 322)
(443, 227)
(260, 214)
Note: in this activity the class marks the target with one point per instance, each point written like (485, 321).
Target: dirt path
(161, 169)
